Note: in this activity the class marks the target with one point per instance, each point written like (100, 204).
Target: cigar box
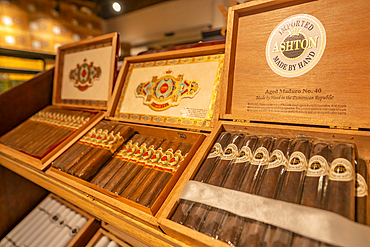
(113, 234)
(46, 220)
(171, 116)
(266, 89)
(82, 81)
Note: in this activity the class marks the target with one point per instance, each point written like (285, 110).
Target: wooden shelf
(147, 234)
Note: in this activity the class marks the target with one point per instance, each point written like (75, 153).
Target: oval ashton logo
(296, 45)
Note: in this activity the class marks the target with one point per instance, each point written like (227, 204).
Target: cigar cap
(323, 149)
(282, 144)
(223, 139)
(251, 142)
(266, 142)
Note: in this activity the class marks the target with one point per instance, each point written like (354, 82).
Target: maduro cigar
(361, 191)
(248, 185)
(125, 156)
(89, 143)
(148, 197)
(291, 189)
(340, 190)
(313, 188)
(199, 211)
(93, 164)
(107, 173)
(271, 178)
(203, 175)
(233, 180)
(76, 148)
(140, 182)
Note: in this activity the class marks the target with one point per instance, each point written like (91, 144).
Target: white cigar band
(317, 224)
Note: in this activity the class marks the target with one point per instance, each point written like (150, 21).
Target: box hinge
(343, 128)
(240, 121)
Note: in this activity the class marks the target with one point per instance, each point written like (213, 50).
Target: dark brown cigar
(291, 189)
(133, 172)
(313, 189)
(233, 180)
(199, 211)
(137, 187)
(76, 148)
(126, 158)
(254, 231)
(106, 174)
(361, 191)
(340, 192)
(93, 164)
(95, 145)
(203, 175)
(148, 197)
(94, 140)
(121, 157)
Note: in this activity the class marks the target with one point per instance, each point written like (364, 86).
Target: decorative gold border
(174, 120)
(100, 103)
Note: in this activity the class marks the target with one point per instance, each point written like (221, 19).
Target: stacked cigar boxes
(83, 83)
(160, 105)
(295, 89)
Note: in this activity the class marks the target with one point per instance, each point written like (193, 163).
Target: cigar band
(277, 158)
(138, 153)
(341, 170)
(260, 156)
(124, 149)
(317, 166)
(55, 218)
(175, 162)
(101, 137)
(215, 151)
(154, 158)
(361, 186)
(230, 152)
(131, 151)
(244, 155)
(297, 162)
(166, 157)
(115, 143)
(74, 230)
(146, 155)
(87, 136)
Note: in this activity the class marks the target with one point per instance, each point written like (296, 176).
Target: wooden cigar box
(320, 91)
(83, 80)
(184, 117)
(121, 238)
(80, 234)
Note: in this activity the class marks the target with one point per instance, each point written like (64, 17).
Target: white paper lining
(310, 222)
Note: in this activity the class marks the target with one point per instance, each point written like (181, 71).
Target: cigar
(361, 191)
(137, 174)
(313, 188)
(340, 191)
(137, 186)
(117, 159)
(76, 148)
(291, 189)
(204, 173)
(107, 173)
(199, 211)
(126, 158)
(151, 193)
(271, 178)
(94, 163)
(233, 180)
(74, 164)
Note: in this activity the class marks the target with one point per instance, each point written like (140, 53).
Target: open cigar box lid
(174, 89)
(299, 62)
(85, 72)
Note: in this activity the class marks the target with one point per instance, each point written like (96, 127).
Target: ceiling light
(116, 6)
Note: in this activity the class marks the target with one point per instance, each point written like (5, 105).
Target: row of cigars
(302, 170)
(55, 222)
